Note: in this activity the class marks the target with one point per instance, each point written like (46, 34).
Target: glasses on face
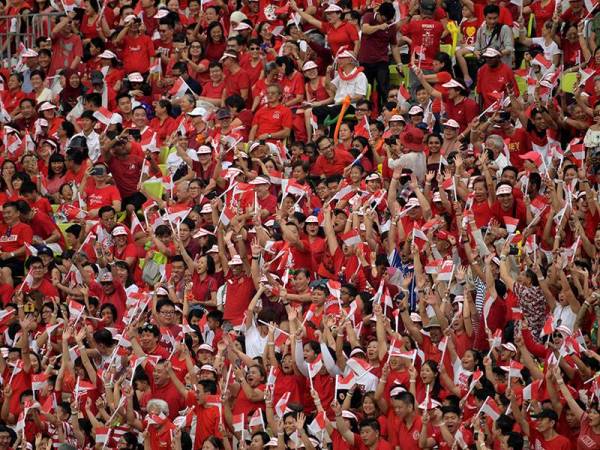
(168, 312)
(327, 146)
(362, 109)
(195, 46)
(254, 48)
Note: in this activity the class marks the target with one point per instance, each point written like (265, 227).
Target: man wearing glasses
(331, 160)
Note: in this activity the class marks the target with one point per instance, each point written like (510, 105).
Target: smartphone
(135, 134)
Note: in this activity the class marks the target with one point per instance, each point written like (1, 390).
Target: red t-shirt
(344, 34)
(126, 173)
(42, 204)
(341, 159)
(235, 82)
(468, 29)
(207, 420)
(136, 54)
(211, 91)
(243, 405)
(43, 226)
(542, 14)
(64, 51)
(426, 34)
(99, 197)
(558, 442)
(463, 112)
(494, 80)
(587, 440)
(202, 289)
(167, 392)
(272, 119)
(240, 291)
(518, 144)
(13, 238)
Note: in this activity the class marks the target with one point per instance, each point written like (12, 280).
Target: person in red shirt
(113, 292)
(331, 160)
(98, 192)
(425, 34)
(236, 79)
(494, 78)
(340, 34)
(38, 282)
(137, 48)
(45, 231)
(516, 139)
(67, 48)
(13, 236)
(273, 121)
(506, 205)
(369, 437)
(240, 289)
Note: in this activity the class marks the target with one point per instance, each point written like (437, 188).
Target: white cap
(197, 112)
(312, 219)
(204, 150)
(437, 197)
(235, 260)
(397, 390)
(47, 106)
(308, 65)
(213, 249)
(269, 223)
(209, 368)
(333, 8)
(162, 291)
(504, 189)
(415, 317)
(242, 26)
(451, 123)
(345, 54)
(161, 13)
(206, 348)
(130, 18)
(491, 53)
(412, 202)
(42, 122)
(107, 54)
(227, 55)
(510, 347)
(415, 110)
(397, 118)
(259, 180)
(202, 232)
(135, 77)
(273, 442)
(453, 84)
(206, 209)
(349, 415)
(120, 231)
(29, 53)
(372, 177)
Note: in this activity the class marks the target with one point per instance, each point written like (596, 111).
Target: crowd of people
(362, 224)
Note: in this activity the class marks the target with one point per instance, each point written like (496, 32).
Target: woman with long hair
(215, 43)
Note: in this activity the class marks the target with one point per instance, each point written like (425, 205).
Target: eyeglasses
(195, 46)
(362, 109)
(325, 147)
(254, 48)
(168, 312)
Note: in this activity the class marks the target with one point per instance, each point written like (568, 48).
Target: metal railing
(23, 29)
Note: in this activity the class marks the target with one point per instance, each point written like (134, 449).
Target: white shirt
(349, 88)
(564, 315)
(93, 143)
(255, 343)
(549, 49)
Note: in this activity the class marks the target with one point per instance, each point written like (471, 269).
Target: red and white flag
(433, 265)
(511, 224)
(180, 87)
(39, 381)
(488, 302)
(315, 367)
(318, 424)
(281, 405)
(542, 62)
(446, 270)
(256, 419)
(103, 115)
(514, 369)
(156, 68)
(548, 326)
(359, 366)
(238, 422)
(351, 238)
(102, 435)
(490, 409)
(226, 216)
(345, 383)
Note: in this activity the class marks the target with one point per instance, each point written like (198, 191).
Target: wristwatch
(269, 135)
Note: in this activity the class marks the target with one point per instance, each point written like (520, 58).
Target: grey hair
(496, 141)
(161, 405)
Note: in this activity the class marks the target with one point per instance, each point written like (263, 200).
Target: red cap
(532, 156)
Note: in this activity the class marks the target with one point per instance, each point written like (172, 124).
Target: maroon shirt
(374, 47)
(126, 173)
